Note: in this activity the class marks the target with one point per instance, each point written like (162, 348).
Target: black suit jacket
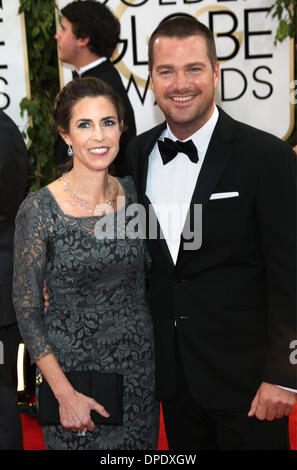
(238, 290)
(13, 178)
(107, 72)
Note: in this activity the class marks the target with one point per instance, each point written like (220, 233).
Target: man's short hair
(182, 26)
(92, 19)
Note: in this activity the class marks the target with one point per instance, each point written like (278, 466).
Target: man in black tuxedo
(223, 276)
(88, 35)
(13, 177)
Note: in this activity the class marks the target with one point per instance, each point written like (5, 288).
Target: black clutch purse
(105, 388)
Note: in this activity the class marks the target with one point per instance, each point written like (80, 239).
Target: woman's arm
(30, 254)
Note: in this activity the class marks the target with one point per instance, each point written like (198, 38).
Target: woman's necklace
(102, 208)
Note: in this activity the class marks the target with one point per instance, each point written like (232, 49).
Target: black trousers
(11, 437)
(189, 426)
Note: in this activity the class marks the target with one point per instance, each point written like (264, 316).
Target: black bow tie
(169, 149)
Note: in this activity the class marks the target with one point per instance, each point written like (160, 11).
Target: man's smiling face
(184, 82)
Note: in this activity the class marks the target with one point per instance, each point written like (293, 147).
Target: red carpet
(32, 434)
(293, 429)
(33, 439)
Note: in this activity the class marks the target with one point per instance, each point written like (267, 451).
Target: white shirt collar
(201, 138)
(90, 65)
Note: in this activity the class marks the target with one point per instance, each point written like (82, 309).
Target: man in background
(13, 177)
(88, 35)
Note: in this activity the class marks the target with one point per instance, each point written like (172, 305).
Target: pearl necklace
(103, 208)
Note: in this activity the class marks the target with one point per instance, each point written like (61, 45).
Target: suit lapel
(151, 220)
(216, 159)
(148, 145)
(215, 162)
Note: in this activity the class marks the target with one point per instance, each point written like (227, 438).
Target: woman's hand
(75, 409)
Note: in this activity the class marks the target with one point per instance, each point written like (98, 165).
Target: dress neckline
(90, 216)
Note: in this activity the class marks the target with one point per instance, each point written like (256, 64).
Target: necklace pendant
(102, 208)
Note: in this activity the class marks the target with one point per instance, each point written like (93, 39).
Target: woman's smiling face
(94, 132)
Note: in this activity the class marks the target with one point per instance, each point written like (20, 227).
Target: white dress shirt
(170, 187)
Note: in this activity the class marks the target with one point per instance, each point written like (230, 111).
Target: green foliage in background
(44, 84)
(44, 80)
(285, 11)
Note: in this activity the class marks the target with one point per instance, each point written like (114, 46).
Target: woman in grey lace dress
(97, 318)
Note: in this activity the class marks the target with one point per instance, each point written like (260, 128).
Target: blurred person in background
(87, 38)
(13, 178)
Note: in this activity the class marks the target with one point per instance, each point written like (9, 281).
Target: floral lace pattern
(98, 318)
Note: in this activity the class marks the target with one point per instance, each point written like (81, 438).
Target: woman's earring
(70, 151)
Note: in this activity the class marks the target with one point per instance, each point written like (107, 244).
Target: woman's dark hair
(78, 89)
(92, 19)
(73, 92)
(183, 26)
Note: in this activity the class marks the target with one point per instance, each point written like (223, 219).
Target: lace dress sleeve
(29, 273)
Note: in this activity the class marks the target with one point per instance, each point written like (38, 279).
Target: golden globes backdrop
(14, 76)
(256, 75)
